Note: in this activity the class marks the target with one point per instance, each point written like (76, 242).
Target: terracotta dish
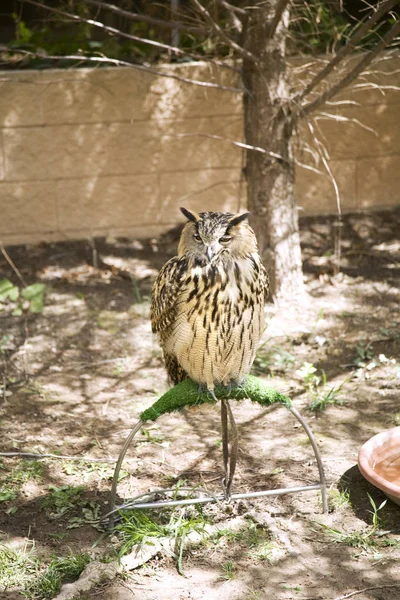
(379, 462)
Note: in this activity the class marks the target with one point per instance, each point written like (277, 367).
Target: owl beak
(212, 250)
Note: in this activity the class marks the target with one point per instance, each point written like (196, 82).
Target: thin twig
(143, 18)
(241, 51)
(367, 589)
(12, 265)
(123, 63)
(234, 142)
(349, 47)
(325, 162)
(60, 456)
(353, 74)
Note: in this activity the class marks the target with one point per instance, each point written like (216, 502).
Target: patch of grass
(257, 541)
(228, 570)
(138, 527)
(26, 470)
(60, 570)
(368, 537)
(250, 536)
(339, 499)
(17, 566)
(317, 385)
(12, 479)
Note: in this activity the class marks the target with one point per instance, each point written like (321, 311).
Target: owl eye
(197, 237)
(225, 239)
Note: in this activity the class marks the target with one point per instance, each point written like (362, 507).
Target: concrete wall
(116, 151)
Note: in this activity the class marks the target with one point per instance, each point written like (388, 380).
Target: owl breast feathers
(208, 302)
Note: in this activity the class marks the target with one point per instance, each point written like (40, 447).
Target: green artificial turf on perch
(188, 393)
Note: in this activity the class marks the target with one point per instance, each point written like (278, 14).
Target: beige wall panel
(378, 182)
(27, 208)
(53, 152)
(93, 96)
(106, 95)
(21, 94)
(111, 148)
(105, 203)
(184, 144)
(206, 190)
(174, 99)
(316, 193)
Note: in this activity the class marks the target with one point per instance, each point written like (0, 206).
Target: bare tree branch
(231, 8)
(280, 9)
(12, 264)
(144, 18)
(222, 35)
(123, 63)
(353, 74)
(367, 589)
(349, 47)
(59, 456)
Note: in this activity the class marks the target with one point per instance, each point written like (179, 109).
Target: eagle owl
(208, 301)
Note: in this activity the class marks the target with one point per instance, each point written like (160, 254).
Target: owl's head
(212, 235)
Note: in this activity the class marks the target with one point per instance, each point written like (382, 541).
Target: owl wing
(165, 296)
(264, 280)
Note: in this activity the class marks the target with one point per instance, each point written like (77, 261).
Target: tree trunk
(270, 179)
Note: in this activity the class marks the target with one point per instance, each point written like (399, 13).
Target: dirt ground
(75, 377)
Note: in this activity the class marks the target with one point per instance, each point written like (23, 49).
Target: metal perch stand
(187, 394)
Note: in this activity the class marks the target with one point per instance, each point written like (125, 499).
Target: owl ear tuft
(191, 216)
(238, 219)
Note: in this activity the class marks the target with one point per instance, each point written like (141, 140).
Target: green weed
(61, 500)
(29, 298)
(17, 566)
(249, 536)
(138, 527)
(12, 480)
(60, 570)
(228, 570)
(317, 385)
(366, 538)
(272, 359)
(339, 499)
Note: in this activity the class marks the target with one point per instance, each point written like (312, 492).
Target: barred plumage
(208, 302)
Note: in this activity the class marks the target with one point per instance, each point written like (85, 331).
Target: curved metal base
(135, 504)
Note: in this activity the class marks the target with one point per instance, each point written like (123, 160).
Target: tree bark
(269, 124)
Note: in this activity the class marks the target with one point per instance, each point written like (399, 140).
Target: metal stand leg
(322, 479)
(204, 499)
(118, 468)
